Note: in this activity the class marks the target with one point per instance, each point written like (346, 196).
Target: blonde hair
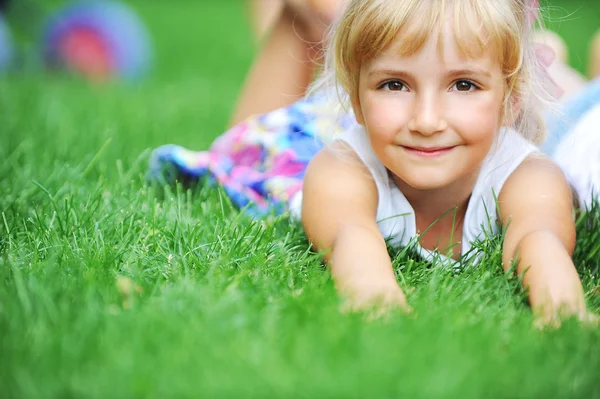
(368, 27)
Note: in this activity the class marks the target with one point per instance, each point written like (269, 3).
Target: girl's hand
(554, 319)
(381, 297)
(563, 305)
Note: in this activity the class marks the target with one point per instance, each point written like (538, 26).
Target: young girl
(446, 99)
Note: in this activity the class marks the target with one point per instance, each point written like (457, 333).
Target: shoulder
(536, 197)
(337, 171)
(338, 190)
(537, 174)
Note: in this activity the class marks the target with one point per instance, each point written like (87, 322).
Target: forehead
(443, 45)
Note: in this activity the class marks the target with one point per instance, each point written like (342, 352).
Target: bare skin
(280, 74)
(264, 14)
(318, 14)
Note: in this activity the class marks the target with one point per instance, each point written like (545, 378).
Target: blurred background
(185, 59)
(174, 25)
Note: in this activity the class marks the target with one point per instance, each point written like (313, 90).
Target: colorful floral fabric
(260, 163)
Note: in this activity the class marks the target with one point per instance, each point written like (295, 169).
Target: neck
(431, 204)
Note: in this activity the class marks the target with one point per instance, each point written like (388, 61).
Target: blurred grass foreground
(110, 288)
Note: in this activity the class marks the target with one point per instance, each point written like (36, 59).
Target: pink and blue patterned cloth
(260, 163)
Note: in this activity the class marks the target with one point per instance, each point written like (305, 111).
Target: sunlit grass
(112, 288)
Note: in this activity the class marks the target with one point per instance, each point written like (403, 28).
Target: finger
(589, 319)
(547, 322)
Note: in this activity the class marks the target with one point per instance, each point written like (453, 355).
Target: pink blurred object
(87, 54)
(544, 53)
(97, 39)
(546, 56)
(534, 10)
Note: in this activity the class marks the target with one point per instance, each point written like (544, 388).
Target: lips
(428, 152)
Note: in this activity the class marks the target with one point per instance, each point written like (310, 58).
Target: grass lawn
(110, 288)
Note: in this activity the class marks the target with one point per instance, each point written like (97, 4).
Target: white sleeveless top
(395, 215)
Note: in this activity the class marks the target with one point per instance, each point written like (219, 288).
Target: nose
(427, 117)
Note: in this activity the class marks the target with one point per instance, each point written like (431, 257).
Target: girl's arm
(536, 205)
(338, 212)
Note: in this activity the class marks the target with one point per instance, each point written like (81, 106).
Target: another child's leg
(594, 67)
(281, 73)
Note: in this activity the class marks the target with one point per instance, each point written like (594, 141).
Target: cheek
(480, 120)
(384, 117)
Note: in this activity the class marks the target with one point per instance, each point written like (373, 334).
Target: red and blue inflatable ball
(99, 40)
(6, 46)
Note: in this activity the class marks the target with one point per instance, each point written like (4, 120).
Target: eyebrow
(473, 71)
(388, 72)
(451, 73)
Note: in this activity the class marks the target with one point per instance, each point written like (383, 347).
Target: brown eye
(464, 85)
(394, 85)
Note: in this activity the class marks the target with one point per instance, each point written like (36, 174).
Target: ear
(358, 115)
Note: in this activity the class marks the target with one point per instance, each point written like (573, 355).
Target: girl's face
(431, 117)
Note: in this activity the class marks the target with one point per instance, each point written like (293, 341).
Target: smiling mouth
(428, 152)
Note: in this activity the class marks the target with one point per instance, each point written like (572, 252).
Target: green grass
(220, 305)
(576, 21)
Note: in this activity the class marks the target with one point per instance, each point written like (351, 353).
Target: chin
(425, 185)
(426, 181)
